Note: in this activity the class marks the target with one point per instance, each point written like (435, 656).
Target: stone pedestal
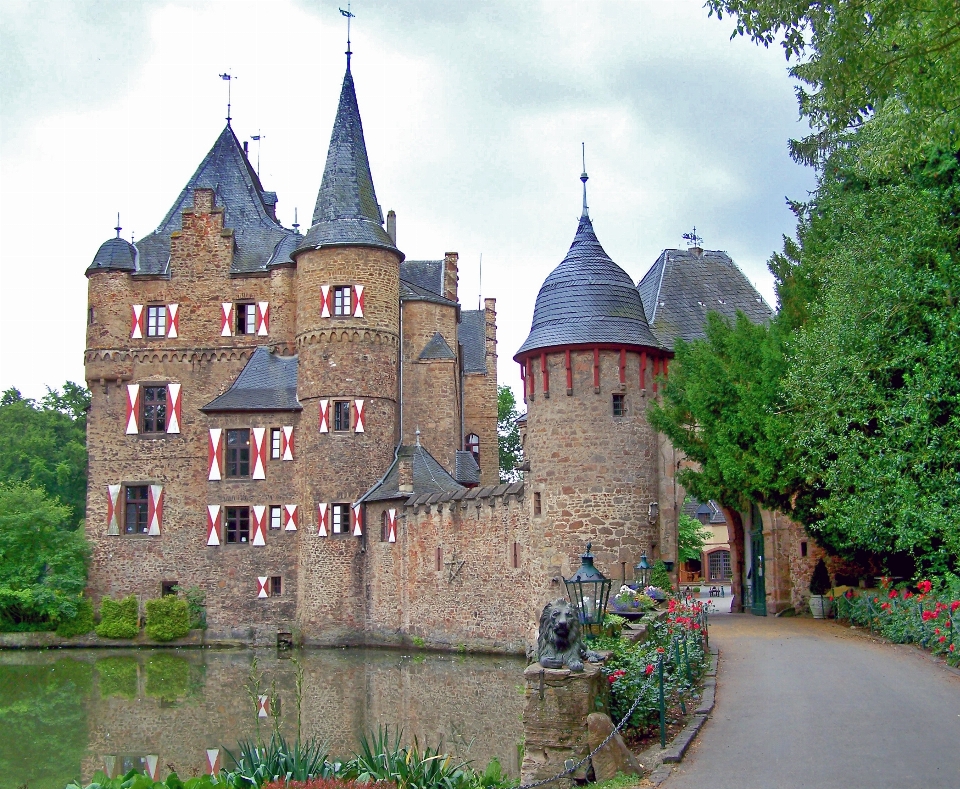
(558, 702)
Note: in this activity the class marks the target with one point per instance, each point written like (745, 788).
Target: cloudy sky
(474, 113)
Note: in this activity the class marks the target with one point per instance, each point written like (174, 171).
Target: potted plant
(820, 604)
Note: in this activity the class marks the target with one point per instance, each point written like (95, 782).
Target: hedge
(167, 618)
(119, 619)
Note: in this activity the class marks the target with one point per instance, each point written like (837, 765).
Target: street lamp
(588, 591)
(642, 571)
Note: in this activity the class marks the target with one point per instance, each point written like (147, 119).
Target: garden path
(805, 703)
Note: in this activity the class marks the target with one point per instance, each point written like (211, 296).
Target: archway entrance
(758, 586)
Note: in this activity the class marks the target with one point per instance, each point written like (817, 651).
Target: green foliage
(168, 676)
(78, 625)
(117, 676)
(820, 580)
(136, 780)
(43, 713)
(887, 68)
(508, 434)
(381, 757)
(660, 578)
(119, 618)
(691, 537)
(43, 566)
(167, 618)
(196, 606)
(45, 445)
(277, 760)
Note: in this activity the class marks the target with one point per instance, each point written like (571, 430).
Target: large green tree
(508, 434)
(44, 444)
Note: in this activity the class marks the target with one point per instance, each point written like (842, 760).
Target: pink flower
(649, 669)
(954, 606)
(942, 639)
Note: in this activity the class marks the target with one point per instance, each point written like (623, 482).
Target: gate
(757, 580)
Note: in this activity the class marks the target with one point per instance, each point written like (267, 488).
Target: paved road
(802, 703)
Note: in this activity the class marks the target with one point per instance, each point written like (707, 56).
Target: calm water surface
(67, 713)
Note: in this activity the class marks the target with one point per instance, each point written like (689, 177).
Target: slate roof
(429, 477)
(347, 212)
(412, 292)
(427, 274)
(684, 285)
(467, 471)
(116, 254)
(587, 299)
(436, 348)
(471, 334)
(259, 240)
(267, 383)
(694, 509)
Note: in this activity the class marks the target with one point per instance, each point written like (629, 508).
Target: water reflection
(75, 713)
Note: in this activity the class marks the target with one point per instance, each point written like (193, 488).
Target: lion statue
(560, 642)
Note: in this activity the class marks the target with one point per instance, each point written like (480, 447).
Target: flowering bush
(925, 617)
(629, 601)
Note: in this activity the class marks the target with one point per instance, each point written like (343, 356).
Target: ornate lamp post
(588, 591)
(642, 571)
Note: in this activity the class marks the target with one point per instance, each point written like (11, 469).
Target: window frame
(275, 510)
(472, 444)
(276, 443)
(141, 507)
(275, 586)
(342, 301)
(340, 519)
(156, 404)
(618, 405)
(245, 318)
(338, 406)
(238, 513)
(236, 463)
(156, 314)
(384, 526)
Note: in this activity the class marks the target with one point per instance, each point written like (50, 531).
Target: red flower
(954, 606)
(936, 631)
(876, 599)
(925, 586)
(951, 647)
(893, 594)
(942, 639)
(885, 606)
(649, 669)
(928, 615)
(661, 650)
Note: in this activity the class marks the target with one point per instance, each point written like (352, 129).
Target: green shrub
(167, 618)
(660, 578)
(81, 624)
(141, 781)
(117, 676)
(196, 605)
(168, 676)
(119, 618)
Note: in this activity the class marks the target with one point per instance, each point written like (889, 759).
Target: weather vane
(228, 77)
(584, 177)
(692, 239)
(349, 16)
(257, 138)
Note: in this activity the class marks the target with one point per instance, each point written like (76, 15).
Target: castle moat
(67, 713)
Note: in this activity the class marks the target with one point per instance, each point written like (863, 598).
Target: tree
(691, 537)
(888, 68)
(43, 565)
(508, 434)
(45, 445)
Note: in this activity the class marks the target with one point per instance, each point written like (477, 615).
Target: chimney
(450, 275)
(392, 225)
(246, 149)
(405, 474)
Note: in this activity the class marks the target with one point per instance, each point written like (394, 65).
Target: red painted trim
(544, 373)
(623, 365)
(569, 370)
(643, 369)
(656, 371)
(596, 365)
(530, 377)
(665, 360)
(603, 346)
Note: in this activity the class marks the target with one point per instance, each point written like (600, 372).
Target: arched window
(719, 564)
(473, 445)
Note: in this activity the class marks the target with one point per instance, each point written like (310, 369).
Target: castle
(305, 425)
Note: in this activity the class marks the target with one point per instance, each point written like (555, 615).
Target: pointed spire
(585, 214)
(118, 228)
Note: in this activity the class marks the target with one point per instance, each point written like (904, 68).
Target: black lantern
(642, 572)
(588, 591)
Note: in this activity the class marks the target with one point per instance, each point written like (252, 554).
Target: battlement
(488, 494)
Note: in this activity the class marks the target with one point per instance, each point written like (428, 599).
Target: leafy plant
(508, 434)
(167, 618)
(278, 760)
(381, 757)
(117, 676)
(660, 578)
(137, 780)
(168, 676)
(119, 618)
(78, 625)
(196, 606)
(820, 580)
(691, 537)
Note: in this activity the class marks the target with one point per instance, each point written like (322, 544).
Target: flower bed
(924, 616)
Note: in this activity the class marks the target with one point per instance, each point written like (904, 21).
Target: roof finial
(418, 435)
(692, 239)
(228, 77)
(584, 177)
(349, 16)
(118, 228)
(296, 223)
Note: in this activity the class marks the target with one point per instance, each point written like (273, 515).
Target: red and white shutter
(324, 416)
(173, 321)
(259, 453)
(215, 454)
(259, 522)
(263, 318)
(391, 525)
(323, 519)
(174, 410)
(136, 322)
(133, 408)
(113, 504)
(263, 702)
(153, 761)
(110, 765)
(358, 299)
(154, 509)
(356, 520)
(226, 324)
(286, 443)
(214, 524)
(290, 517)
(213, 761)
(324, 301)
(358, 409)
(262, 592)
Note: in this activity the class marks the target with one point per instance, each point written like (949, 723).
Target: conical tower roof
(347, 212)
(587, 300)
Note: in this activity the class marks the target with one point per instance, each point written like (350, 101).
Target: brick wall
(480, 402)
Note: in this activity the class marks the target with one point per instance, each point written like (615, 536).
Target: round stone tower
(588, 368)
(347, 338)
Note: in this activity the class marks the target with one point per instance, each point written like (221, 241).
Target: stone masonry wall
(480, 402)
